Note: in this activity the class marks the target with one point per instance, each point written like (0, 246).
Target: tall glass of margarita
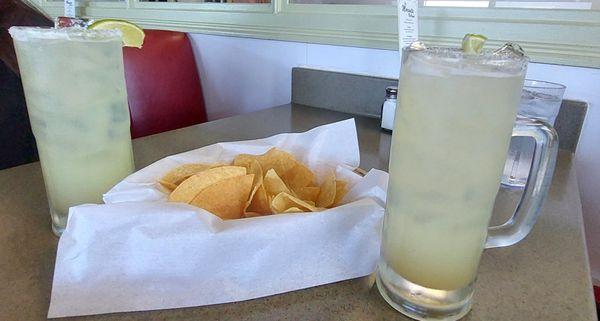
(452, 130)
(74, 87)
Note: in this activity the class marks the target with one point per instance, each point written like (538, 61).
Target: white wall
(241, 75)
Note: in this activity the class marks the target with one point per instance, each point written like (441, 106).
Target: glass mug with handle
(452, 130)
(539, 100)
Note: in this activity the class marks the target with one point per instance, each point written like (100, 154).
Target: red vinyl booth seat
(163, 86)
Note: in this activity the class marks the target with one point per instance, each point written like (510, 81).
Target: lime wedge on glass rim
(133, 35)
(473, 43)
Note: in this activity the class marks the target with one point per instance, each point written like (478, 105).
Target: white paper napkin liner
(139, 252)
(322, 149)
(156, 255)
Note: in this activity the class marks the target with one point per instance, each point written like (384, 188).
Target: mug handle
(536, 189)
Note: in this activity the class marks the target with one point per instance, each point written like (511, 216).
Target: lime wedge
(133, 36)
(473, 43)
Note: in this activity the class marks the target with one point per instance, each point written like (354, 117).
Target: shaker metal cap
(391, 92)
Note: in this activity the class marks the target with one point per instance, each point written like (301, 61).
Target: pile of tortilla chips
(253, 185)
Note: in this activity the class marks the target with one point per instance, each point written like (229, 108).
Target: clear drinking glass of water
(539, 100)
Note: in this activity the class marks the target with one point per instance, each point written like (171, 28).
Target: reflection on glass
(210, 1)
(453, 3)
(569, 4)
(530, 4)
(362, 2)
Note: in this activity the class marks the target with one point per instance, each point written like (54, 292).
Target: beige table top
(545, 277)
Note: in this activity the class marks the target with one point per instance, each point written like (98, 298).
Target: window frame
(568, 37)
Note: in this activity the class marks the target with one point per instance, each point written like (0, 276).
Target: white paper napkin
(139, 252)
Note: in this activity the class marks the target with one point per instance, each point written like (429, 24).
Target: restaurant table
(544, 277)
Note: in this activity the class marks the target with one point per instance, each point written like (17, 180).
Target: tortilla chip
(298, 176)
(255, 168)
(278, 160)
(226, 198)
(244, 160)
(252, 214)
(327, 194)
(167, 185)
(188, 189)
(311, 203)
(180, 173)
(258, 202)
(284, 201)
(273, 183)
(308, 193)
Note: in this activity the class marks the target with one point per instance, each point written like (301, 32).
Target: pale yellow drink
(75, 92)
(452, 131)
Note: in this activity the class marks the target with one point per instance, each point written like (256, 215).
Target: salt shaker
(388, 109)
